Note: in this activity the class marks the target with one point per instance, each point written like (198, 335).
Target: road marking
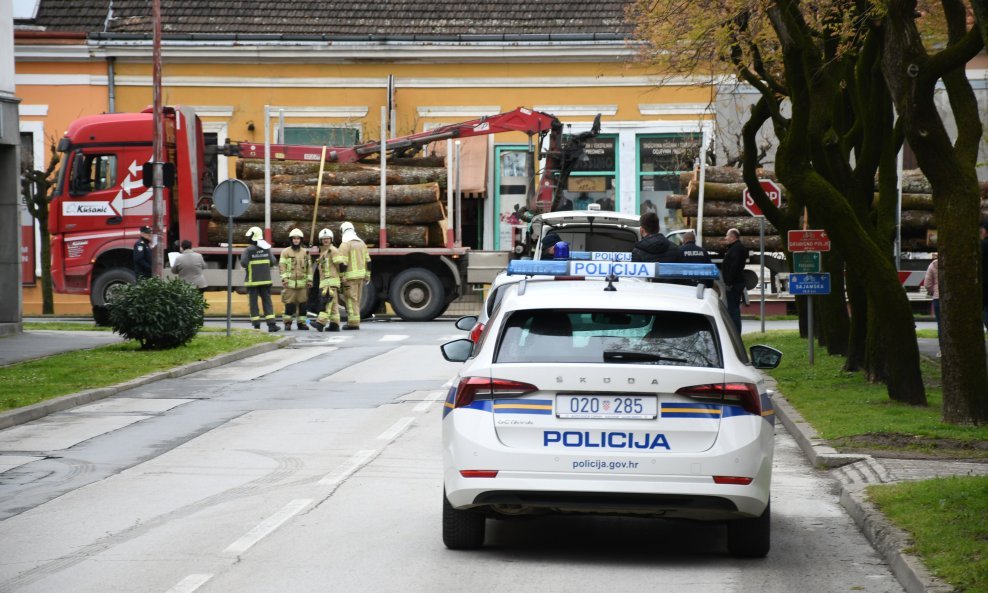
(433, 398)
(190, 583)
(396, 429)
(267, 526)
(348, 468)
(393, 338)
(262, 364)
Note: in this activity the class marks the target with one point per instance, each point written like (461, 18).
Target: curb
(65, 402)
(887, 539)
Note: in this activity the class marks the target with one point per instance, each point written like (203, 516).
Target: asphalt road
(317, 468)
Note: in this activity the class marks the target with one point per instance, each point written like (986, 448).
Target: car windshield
(614, 337)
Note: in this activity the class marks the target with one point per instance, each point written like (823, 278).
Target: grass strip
(37, 380)
(841, 405)
(948, 520)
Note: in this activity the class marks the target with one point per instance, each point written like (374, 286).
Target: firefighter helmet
(254, 233)
(346, 226)
(296, 233)
(326, 234)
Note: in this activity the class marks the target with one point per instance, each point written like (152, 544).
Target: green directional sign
(806, 262)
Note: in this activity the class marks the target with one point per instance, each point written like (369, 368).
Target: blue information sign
(801, 284)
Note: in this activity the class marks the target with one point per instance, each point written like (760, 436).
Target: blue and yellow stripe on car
(528, 406)
(691, 410)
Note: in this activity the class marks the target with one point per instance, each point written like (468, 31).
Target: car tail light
(478, 473)
(732, 480)
(473, 388)
(475, 331)
(733, 394)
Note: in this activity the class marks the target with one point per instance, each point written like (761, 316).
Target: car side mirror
(466, 323)
(457, 350)
(765, 357)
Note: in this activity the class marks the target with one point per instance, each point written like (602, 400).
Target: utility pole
(158, 238)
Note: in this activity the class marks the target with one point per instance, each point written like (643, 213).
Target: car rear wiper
(633, 356)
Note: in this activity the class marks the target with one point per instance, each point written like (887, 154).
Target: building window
(594, 180)
(661, 159)
(322, 136)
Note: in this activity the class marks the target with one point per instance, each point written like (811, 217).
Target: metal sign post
(231, 198)
(774, 193)
(809, 285)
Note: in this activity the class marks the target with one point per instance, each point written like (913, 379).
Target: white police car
(611, 397)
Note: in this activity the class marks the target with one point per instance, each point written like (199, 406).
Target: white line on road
(351, 465)
(267, 526)
(190, 583)
(396, 429)
(393, 338)
(433, 398)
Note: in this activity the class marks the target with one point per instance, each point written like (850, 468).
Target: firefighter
(354, 263)
(257, 261)
(329, 285)
(296, 280)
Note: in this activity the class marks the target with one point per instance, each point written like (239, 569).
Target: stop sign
(772, 189)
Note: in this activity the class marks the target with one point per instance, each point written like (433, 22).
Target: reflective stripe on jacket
(329, 274)
(355, 256)
(296, 268)
(257, 264)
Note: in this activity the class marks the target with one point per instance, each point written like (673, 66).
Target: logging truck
(100, 202)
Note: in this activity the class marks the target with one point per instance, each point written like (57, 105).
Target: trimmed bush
(158, 314)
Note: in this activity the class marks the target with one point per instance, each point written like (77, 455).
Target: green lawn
(853, 414)
(37, 380)
(948, 519)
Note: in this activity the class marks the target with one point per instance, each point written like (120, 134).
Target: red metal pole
(158, 152)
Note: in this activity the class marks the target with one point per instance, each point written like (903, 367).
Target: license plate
(634, 407)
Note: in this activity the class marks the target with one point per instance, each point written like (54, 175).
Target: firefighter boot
(302, 326)
(273, 327)
(333, 326)
(318, 326)
(256, 324)
(288, 326)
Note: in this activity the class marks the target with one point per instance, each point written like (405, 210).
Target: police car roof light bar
(602, 269)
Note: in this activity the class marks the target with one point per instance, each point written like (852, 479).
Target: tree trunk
(414, 214)
(746, 225)
(342, 173)
(397, 195)
(719, 244)
(835, 323)
(692, 208)
(857, 300)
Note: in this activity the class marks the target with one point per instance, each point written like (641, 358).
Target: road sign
(815, 240)
(806, 262)
(772, 189)
(809, 284)
(231, 197)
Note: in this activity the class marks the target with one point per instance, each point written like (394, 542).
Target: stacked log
(722, 209)
(416, 215)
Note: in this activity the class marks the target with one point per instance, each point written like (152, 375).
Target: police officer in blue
(142, 254)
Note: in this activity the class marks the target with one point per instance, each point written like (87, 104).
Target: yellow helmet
(296, 233)
(254, 233)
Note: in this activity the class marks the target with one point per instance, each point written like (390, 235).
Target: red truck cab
(100, 201)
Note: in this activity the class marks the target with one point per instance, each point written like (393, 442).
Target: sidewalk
(33, 344)
(855, 472)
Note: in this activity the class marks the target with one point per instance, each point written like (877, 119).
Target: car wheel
(462, 530)
(417, 294)
(750, 538)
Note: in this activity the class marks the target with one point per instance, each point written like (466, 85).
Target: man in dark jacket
(693, 253)
(654, 247)
(142, 254)
(732, 271)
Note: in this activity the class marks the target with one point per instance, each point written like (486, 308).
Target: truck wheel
(107, 282)
(416, 294)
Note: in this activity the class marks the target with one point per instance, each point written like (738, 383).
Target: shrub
(158, 314)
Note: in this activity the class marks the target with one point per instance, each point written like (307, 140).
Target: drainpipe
(111, 84)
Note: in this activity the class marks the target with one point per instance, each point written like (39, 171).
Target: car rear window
(666, 338)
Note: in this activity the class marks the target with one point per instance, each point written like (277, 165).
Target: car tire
(417, 294)
(750, 538)
(462, 530)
